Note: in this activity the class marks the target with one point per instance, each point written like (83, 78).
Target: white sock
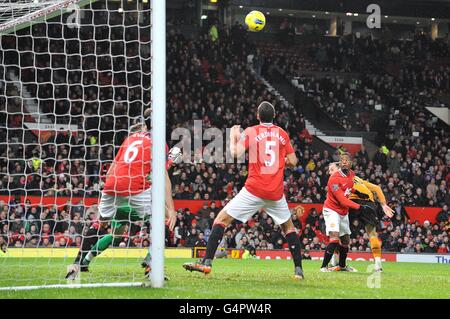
(88, 258)
(334, 260)
(378, 261)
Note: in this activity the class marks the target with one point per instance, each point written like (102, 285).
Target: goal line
(73, 286)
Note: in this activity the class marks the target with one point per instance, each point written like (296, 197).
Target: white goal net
(74, 76)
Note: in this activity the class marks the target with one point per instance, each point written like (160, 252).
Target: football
(255, 21)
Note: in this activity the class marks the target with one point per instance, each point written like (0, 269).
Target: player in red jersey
(363, 193)
(335, 213)
(126, 195)
(269, 151)
(128, 179)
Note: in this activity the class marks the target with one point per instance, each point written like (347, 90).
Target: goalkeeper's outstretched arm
(171, 214)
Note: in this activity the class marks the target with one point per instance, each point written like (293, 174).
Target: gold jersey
(367, 190)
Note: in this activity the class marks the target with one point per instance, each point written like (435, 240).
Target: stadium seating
(212, 82)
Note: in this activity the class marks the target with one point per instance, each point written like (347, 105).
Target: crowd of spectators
(34, 226)
(81, 81)
(416, 74)
(101, 88)
(413, 159)
(398, 234)
(366, 54)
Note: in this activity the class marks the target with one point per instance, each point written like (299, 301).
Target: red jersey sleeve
(335, 189)
(117, 158)
(344, 201)
(123, 149)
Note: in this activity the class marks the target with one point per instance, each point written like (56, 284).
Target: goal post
(74, 76)
(159, 139)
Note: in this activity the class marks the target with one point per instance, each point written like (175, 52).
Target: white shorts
(245, 205)
(140, 203)
(335, 222)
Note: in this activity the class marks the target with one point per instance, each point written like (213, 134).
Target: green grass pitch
(231, 278)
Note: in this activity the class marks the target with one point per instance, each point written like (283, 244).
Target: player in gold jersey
(364, 194)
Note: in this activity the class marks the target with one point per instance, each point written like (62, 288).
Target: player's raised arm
(237, 144)
(377, 190)
(174, 157)
(381, 198)
(291, 158)
(171, 214)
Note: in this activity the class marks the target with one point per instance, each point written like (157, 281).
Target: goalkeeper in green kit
(126, 197)
(97, 240)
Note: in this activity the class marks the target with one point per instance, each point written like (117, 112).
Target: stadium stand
(212, 82)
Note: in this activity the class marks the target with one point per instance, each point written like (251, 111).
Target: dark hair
(345, 169)
(266, 112)
(334, 163)
(138, 127)
(346, 154)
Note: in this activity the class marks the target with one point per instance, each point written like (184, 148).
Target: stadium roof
(438, 9)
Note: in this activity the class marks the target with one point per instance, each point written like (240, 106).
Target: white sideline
(71, 286)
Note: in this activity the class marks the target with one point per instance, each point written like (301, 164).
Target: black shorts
(365, 218)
